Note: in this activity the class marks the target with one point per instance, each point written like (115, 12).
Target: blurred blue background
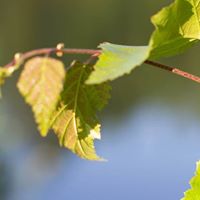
(150, 129)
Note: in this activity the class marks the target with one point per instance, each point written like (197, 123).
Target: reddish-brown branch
(96, 53)
(174, 71)
(47, 51)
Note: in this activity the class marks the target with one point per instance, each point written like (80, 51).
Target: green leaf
(41, 83)
(194, 192)
(117, 60)
(177, 28)
(75, 123)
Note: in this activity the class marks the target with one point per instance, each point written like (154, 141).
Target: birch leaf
(177, 28)
(41, 83)
(117, 60)
(75, 123)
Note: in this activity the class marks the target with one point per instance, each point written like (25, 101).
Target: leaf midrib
(75, 109)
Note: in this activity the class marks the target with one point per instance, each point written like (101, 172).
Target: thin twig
(174, 71)
(46, 51)
(96, 53)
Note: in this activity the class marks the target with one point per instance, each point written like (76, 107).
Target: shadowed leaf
(75, 123)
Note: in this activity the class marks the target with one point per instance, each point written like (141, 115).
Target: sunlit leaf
(194, 192)
(177, 28)
(75, 123)
(41, 83)
(117, 60)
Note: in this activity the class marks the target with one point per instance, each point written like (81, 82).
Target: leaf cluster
(68, 101)
(177, 28)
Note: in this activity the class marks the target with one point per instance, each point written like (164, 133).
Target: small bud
(59, 48)
(17, 57)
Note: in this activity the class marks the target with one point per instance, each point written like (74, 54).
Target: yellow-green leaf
(117, 60)
(177, 28)
(41, 83)
(194, 192)
(75, 123)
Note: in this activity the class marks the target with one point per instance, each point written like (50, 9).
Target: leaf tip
(43, 133)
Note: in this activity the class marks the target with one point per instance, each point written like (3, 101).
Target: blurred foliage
(194, 192)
